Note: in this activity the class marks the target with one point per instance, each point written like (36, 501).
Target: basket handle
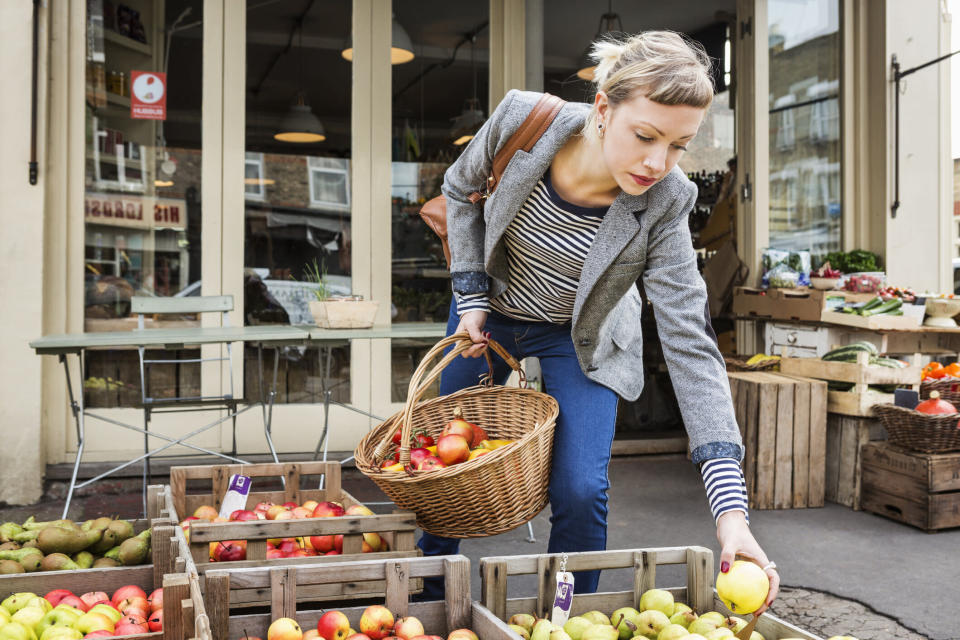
(421, 381)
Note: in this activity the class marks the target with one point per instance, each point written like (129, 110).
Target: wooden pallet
(398, 529)
(284, 585)
(846, 437)
(920, 489)
(698, 591)
(782, 421)
(860, 400)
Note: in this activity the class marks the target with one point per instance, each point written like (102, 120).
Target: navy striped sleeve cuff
(726, 488)
(472, 302)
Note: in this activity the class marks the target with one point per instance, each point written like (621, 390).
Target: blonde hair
(665, 66)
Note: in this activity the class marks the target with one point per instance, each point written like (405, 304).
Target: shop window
(329, 182)
(142, 184)
(254, 183)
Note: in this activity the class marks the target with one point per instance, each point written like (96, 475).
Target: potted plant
(337, 312)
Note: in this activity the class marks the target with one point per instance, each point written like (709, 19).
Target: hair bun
(606, 53)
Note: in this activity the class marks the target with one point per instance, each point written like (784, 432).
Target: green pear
(61, 633)
(111, 613)
(92, 621)
(600, 632)
(4, 616)
(625, 619)
(29, 616)
(734, 623)
(756, 635)
(16, 631)
(715, 616)
(520, 631)
(719, 633)
(597, 617)
(524, 620)
(59, 617)
(576, 626)
(672, 632)
(651, 622)
(683, 618)
(559, 634)
(657, 599)
(541, 630)
(18, 601)
(679, 607)
(702, 625)
(42, 603)
(694, 636)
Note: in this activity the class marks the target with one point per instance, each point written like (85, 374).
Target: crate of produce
(859, 377)
(127, 601)
(920, 489)
(314, 522)
(782, 304)
(691, 566)
(284, 587)
(846, 437)
(782, 420)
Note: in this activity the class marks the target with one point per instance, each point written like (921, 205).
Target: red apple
(431, 462)
(328, 509)
(311, 634)
(91, 598)
(125, 592)
(78, 603)
(371, 543)
(284, 629)
(333, 625)
(155, 622)
(358, 510)
(134, 601)
(290, 505)
(125, 629)
(358, 636)
(418, 455)
(338, 543)
(458, 426)
(242, 515)
(453, 449)
(137, 612)
(310, 504)
(376, 622)
(322, 543)
(274, 511)
(263, 507)
(300, 513)
(230, 551)
(284, 515)
(407, 628)
(427, 638)
(156, 599)
(462, 634)
(332, 553)
(132, 618)
(55, 596)
(302, 553)
(205, 512)
(273, 554)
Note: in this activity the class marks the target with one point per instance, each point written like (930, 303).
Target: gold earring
(600, 129)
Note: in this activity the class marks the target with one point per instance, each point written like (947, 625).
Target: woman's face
(643, 140)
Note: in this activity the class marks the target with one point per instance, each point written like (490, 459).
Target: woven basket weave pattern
(494, 493)
(945, 387)
(919, 431)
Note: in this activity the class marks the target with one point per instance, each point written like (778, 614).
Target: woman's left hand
(737, 541)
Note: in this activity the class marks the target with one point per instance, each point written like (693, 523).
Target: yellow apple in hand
(744, 587)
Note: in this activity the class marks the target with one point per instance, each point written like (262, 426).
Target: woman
(547, 267)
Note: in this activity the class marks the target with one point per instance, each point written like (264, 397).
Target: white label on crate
(563, 600)
(236, 496)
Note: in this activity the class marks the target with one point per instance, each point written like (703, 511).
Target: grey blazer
(641, 236)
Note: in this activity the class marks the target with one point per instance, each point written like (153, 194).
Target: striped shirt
(547, 243)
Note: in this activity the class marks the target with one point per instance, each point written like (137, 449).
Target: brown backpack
(434, 211)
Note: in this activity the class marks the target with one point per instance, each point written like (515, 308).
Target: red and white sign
(148, 95)
(135, 212)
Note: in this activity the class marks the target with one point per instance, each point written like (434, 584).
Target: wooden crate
(284, 586)
(398, 529)
(180, 611)
(697, 593)
(860, 400)
(920, 489)
(846, 436)
(782, 421)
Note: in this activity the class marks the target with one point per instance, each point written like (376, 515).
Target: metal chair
(144, 306)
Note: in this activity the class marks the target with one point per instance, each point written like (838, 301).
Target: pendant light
(300, 124)
(401, 46)
(586, 65)
(471, 118)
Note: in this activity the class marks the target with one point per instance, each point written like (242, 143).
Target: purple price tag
(240, 484)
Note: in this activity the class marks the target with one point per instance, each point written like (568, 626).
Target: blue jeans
(581, 442)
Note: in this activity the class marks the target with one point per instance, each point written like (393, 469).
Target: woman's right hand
(472, 323)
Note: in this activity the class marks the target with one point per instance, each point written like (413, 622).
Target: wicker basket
(949, 389)
(919, 431)
(491, 494)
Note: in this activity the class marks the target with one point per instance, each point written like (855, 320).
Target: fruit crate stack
(116, 601)
(858, 376)
(691, 603)
(783, 424)
(454, 618)
(316, 525)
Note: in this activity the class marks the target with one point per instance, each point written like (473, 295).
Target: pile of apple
(376, 623)
(460, 441)
(299, 547)
(61, 615)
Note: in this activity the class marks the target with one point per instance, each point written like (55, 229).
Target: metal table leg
(77, 408)
(267, 405)
(530, 537)
(327, 397)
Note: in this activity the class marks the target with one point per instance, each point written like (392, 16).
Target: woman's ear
(602, 105)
